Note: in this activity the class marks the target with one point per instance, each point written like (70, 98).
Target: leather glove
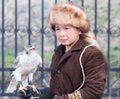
(75, 95)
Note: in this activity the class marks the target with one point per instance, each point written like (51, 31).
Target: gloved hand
(27, 92)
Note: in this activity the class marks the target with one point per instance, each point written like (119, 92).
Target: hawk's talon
(34, 89)
(29, 91)
(21, 90)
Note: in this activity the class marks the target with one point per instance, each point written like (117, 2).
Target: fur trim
(69, 14)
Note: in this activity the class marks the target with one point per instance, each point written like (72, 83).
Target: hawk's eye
(33, 48)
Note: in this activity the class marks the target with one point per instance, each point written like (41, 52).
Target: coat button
(57, 86)
(58, 71)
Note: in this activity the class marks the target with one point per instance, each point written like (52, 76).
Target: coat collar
(79, 45)
(60, 50)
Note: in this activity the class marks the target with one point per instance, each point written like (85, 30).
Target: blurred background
(24, 22)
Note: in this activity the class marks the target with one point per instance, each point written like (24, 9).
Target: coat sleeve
(95, 68)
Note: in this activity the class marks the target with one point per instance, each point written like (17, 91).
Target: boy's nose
(62, 33)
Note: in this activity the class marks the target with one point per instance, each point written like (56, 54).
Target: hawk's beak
(26, 50)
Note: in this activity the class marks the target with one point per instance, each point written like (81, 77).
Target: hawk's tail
(12, 86)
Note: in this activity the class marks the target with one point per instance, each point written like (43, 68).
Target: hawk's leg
(20, 89)
(31, 87)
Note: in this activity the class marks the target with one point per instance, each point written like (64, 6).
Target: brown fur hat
(71, 14)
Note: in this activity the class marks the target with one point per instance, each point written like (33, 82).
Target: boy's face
(67, 35)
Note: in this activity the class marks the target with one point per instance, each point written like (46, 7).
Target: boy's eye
(67, 28)
(57, 29)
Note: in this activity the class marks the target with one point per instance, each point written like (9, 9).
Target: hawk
(26, 64)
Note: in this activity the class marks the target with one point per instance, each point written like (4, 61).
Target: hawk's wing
(18, 59)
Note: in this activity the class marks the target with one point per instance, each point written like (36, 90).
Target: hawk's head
(29, 49)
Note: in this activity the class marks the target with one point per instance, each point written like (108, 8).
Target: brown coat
(66, 73)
